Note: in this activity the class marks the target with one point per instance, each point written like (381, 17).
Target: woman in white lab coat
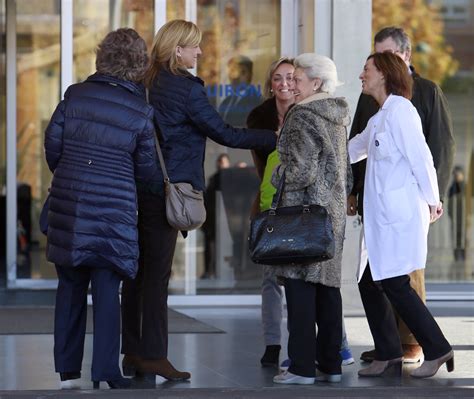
(401, 199)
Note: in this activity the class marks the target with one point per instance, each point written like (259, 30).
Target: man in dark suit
(433, 109)
(244, 97)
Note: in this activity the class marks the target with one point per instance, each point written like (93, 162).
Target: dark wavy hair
(398, 80)
(122, 54)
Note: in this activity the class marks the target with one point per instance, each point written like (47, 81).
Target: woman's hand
(351, 205)
(436, 211)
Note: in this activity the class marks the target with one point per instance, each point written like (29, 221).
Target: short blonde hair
(163, 54)
(319, 66)
(271, 70)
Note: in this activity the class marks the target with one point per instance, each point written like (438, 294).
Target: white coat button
(90, 161)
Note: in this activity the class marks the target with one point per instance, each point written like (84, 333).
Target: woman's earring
(271, 90)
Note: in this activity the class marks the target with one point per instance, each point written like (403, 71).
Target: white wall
(343, 32)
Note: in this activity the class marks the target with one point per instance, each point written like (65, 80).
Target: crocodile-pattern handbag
(301, 234)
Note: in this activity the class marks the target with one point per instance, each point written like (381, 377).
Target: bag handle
(277, 197)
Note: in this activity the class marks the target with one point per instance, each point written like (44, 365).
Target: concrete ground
(227, 365)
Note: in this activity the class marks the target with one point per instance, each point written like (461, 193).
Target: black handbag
(301, 234)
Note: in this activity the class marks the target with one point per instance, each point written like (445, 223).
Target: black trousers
(397, 292)
(145, 299)
(71, 315)
(308, 305)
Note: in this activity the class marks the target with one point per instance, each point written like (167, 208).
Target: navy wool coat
(186, 119)
(99, 141)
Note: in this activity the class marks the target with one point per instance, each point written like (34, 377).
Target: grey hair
(319, 66)
(398, 35)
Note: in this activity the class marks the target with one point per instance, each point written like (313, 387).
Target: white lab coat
(400, 182)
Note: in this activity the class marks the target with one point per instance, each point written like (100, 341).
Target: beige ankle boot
(430, 367)
(378, 367)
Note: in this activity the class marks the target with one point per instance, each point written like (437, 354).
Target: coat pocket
(397, 206)
(382, 145)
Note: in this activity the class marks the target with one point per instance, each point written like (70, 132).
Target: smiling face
(373, 81)
(188, 55)
(283, 83)
(304, 86)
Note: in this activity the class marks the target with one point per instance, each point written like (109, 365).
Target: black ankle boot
(70, 375)
(271, 355)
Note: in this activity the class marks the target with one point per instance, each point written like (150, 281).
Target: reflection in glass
(175, 9)
(93, 19)
(38, 66)
(240, 40)
(3, 137)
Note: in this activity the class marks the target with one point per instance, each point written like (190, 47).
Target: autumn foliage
(431, 55)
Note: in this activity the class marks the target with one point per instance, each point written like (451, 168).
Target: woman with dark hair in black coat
(99, 141)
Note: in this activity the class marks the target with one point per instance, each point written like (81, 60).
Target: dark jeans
(71, 315)
(397, 292)
(309, 304)
(145, 299)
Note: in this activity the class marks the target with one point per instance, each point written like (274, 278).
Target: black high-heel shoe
(122, 383)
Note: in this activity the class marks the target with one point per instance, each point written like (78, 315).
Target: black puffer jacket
(99, 140)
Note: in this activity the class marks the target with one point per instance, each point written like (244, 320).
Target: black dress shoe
(271, 355)
(121, 383)
(368, 356)
(70, 375)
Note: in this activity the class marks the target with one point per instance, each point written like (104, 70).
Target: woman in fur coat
(313, 153)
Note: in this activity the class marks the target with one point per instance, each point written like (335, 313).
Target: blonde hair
(163, 54)
(271, 70)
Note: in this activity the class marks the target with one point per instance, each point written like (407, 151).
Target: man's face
(390, 45)
(238, 73)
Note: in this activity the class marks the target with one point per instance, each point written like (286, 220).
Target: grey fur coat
(313, 150)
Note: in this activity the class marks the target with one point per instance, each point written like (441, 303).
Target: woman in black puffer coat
(99, 141)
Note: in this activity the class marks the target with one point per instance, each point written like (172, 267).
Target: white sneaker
(70, 384)
(323, 377)
(288, 378)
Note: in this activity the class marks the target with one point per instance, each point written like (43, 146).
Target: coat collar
(135, 88)
(185, 74)
(314, 97)
(387, 102)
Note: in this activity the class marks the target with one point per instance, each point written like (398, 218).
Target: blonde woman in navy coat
(185, 120)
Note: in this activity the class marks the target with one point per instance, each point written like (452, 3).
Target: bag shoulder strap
(162, 161)
(158, 149)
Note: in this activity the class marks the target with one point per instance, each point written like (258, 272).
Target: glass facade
(38, 92)
(240, 39)
(451, 246)
(3, 138)
(94, 18)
